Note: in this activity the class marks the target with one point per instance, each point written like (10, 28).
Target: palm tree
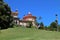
(40, 18)
(39, 22)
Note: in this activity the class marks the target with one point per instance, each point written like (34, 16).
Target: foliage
(41, 26)
(59, 28)
(46, 28)
(53, 26)
(5, 15)
(30, 24)
(1, 0)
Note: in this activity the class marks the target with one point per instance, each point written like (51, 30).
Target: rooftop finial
(29, 12)
(16, 11)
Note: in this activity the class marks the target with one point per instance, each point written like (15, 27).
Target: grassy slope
(28, 34)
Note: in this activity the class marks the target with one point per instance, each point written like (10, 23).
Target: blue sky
(44, 8)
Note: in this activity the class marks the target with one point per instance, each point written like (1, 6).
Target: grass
(20, 33)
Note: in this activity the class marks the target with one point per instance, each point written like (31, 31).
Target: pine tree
(5, 15)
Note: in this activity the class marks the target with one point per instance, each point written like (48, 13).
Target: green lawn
(20, 33)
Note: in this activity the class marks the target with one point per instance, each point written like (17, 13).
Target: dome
(29, 15)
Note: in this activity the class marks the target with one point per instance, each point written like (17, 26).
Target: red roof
(29, 16)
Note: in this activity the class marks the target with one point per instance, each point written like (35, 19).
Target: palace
(27, 19)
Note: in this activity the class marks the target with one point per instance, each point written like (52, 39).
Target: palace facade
(25, 21)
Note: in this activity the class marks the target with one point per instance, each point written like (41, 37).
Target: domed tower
(31, 18)
(15, 16)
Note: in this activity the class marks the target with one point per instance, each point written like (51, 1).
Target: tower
(15, 17)
(56, 21)
(30, 17)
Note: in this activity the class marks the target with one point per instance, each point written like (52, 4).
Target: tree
(41, 26)
(46, 28)
(40, 18)
(53, 26)
(58, 27)
(1, 0)
(30, 24)
(5, 15)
